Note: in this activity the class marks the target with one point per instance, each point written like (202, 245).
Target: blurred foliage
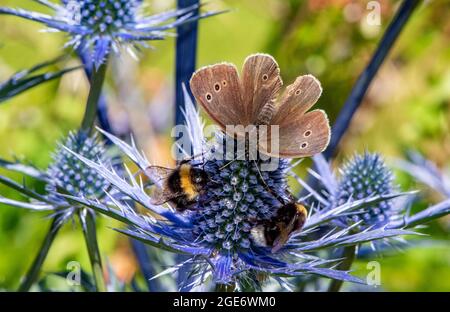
(406, 107)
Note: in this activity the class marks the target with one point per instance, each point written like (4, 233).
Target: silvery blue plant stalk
(185, 65)
(186, 56)
(359, 89)
(361, 86)
(215, 237)
(100, 27)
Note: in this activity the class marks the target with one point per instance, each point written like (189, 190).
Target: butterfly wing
(218, 90)
(261, 83)
(301, 134)
(298, 98)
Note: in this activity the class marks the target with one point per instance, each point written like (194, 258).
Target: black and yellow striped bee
(275, 232)
(180, 187)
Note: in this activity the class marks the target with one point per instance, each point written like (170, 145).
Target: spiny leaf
(23, 80)
(25, 169)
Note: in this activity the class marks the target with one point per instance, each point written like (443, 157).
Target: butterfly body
(266, 114)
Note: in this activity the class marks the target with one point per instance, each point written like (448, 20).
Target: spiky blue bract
(99, 26)
(214, 235)
(364, 176)
(426, 172)
(26, 79)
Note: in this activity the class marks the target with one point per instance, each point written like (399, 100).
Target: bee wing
(280, 241)
(158, 174)
(161, 196)
(261, 83)
(301, 134)
(294, 225)
(285, 233)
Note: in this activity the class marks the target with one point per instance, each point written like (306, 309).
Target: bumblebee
(180, 187)
(275, 232)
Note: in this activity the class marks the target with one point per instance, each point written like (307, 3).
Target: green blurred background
(407, 106)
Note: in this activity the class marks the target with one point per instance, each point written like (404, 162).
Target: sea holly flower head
(69, 173)
(239, 193)
(99, 26)
(66, 174)
(103, 17)
(215, 233)
(367, 175)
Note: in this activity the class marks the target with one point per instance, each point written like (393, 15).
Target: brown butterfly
(252, 100)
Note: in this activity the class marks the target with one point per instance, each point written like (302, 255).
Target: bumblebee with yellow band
(275, 232)
(181, 186)
(188, 183)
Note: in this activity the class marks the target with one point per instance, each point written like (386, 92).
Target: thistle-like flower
(216, 233)
(364, 176)
(99, 26)
(238, 195)
(69, 173)
(65, 175)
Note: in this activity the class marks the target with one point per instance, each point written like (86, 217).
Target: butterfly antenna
(267, 187)
(230, 162)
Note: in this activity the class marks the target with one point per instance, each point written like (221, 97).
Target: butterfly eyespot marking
(304, 145)
(307, 133)
(298, 91)
(217, 87)
(265, 77)
(224, 83)
(208, 97)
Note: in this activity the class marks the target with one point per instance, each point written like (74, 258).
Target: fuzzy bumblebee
(180, 187)
(275, 232)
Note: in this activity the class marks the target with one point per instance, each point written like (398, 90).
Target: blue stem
(185, 58)
(145, 264)
(139, 248)
(186, 49)
(96, 85)
(362, 84)
(33, 273)
(102, 108)
(87, 220)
